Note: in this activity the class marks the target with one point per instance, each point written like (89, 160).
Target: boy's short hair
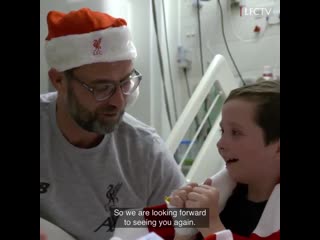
(266, 96)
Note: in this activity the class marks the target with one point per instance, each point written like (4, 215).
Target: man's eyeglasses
(105, 90)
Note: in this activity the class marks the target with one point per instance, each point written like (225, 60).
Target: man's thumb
(208, 181)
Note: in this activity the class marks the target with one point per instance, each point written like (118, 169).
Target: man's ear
(56, 79)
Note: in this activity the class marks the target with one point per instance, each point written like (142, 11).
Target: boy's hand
(179, 196)
(206, 196)
(178, 199)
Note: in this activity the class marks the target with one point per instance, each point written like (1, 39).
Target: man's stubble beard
(90, 120)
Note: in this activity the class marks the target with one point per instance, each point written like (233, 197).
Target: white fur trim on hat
(107, 45)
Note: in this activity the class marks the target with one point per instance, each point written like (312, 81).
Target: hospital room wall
(251, 50)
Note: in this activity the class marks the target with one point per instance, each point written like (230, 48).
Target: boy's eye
(236, 132)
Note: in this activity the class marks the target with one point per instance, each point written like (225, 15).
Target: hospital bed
(207, 161)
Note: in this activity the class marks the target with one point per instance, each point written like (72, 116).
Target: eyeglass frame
(92, 90)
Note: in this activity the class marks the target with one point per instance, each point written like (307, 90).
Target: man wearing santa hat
(93, 156)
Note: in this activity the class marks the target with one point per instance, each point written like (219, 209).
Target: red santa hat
(85, 36)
